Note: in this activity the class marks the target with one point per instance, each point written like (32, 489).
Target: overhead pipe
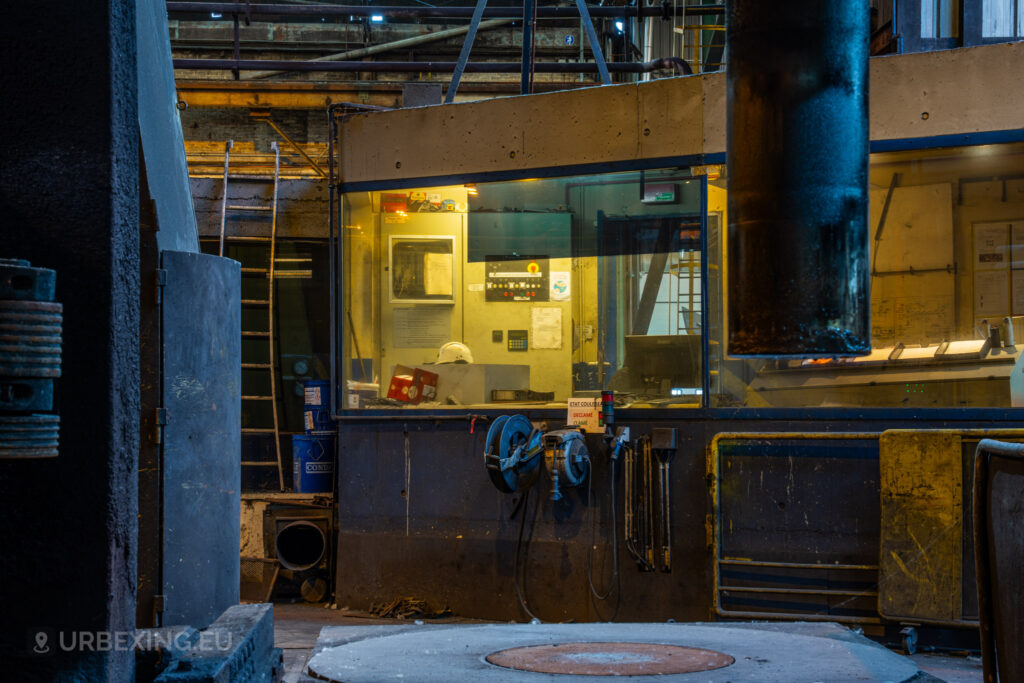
(393, 45)
(797, 159)
(680, 66)
(264, 9)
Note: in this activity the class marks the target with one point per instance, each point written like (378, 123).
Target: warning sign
(586, 414)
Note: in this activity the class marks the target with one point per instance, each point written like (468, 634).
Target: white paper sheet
(991, 293)
(546, 328)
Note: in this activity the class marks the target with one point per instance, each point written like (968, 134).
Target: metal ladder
(268, 272)
(688, 272)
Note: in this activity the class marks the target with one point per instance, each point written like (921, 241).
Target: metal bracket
(160, 420)
(265, 118)
(161, 282)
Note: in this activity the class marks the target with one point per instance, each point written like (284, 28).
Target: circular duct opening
(300, 546)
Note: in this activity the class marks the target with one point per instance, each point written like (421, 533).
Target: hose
(615, 582)
(519, 542)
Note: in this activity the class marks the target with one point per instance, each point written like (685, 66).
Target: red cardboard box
(412, 385)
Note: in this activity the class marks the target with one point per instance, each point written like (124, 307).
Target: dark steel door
(201, 437)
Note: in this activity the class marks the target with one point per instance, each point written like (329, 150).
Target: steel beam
(264, 9)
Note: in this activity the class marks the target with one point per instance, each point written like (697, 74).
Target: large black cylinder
(797, 160)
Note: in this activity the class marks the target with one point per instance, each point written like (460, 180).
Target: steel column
(467, 45)
(797, 156)
(595, 45)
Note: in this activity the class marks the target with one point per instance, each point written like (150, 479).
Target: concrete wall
(69, 198)
(302, 207)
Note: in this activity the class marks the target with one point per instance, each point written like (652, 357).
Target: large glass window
(947, 292)
(1002, 18)
(940, 18)
(525, 292)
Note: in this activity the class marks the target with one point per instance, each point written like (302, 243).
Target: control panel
(525, 279)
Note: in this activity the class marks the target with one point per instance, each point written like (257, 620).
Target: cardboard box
(412, 385)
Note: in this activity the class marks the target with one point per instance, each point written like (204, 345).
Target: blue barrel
(313, 463)
(316, 413)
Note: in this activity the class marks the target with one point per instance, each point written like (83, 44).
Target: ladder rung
(242, 176)
(256, 366)
(255, 302)
(257, 398)
(255, 271)
(258, 463)
(258, 430)
(244, 207)
(255, 334)
(242, 238)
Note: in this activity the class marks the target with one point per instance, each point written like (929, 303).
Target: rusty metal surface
(610, 659)
(921, 525)
(29, 436)
(998, 508)
(797, 153)
(30, 338)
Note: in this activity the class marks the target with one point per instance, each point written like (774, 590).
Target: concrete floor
(298, 626)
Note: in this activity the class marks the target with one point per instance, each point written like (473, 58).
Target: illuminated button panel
(524, 279)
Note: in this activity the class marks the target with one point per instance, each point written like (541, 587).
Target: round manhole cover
(610, 659)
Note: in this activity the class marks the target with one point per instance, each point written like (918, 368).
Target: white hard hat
(454, 352)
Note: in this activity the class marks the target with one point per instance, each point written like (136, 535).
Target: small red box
(412, 385)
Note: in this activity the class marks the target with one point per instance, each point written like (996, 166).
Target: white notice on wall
(560, 285)
(585, 413)
(546, 328)
(1017, 244)
(422, 327)
(437, 274)
(991, 293)
(991, 245)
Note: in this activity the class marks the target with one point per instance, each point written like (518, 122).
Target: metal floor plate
(610, 659)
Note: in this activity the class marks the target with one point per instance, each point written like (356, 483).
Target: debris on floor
(404, 608)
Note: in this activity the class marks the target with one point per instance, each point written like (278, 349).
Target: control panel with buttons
(524, 279)
(518, 340)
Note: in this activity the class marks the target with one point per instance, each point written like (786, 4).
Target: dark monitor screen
(659, 363)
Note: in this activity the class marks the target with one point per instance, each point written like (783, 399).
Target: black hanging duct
(797, 165)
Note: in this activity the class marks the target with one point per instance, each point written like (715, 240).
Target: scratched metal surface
(799, 501)
(922, 525)
(202, 447)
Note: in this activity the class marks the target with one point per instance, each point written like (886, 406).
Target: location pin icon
(41, 646)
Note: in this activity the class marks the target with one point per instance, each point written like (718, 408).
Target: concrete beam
(912, 96)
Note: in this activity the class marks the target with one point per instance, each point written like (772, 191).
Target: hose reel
(512, 453)
(515, 448)
(566, 456)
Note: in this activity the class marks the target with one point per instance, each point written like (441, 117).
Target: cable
(515, 566)
(614, 583)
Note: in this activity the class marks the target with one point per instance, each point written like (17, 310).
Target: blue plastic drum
(313, 463)
(317, 410)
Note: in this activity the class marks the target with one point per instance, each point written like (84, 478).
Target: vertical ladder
(688, 276)
(270, 366)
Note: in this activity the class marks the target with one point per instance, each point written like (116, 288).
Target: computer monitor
(658, 364)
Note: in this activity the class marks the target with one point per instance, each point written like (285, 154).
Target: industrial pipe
(394, 45)
(797, 158)
(300, 545)
(265, 9)
(680, 66)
